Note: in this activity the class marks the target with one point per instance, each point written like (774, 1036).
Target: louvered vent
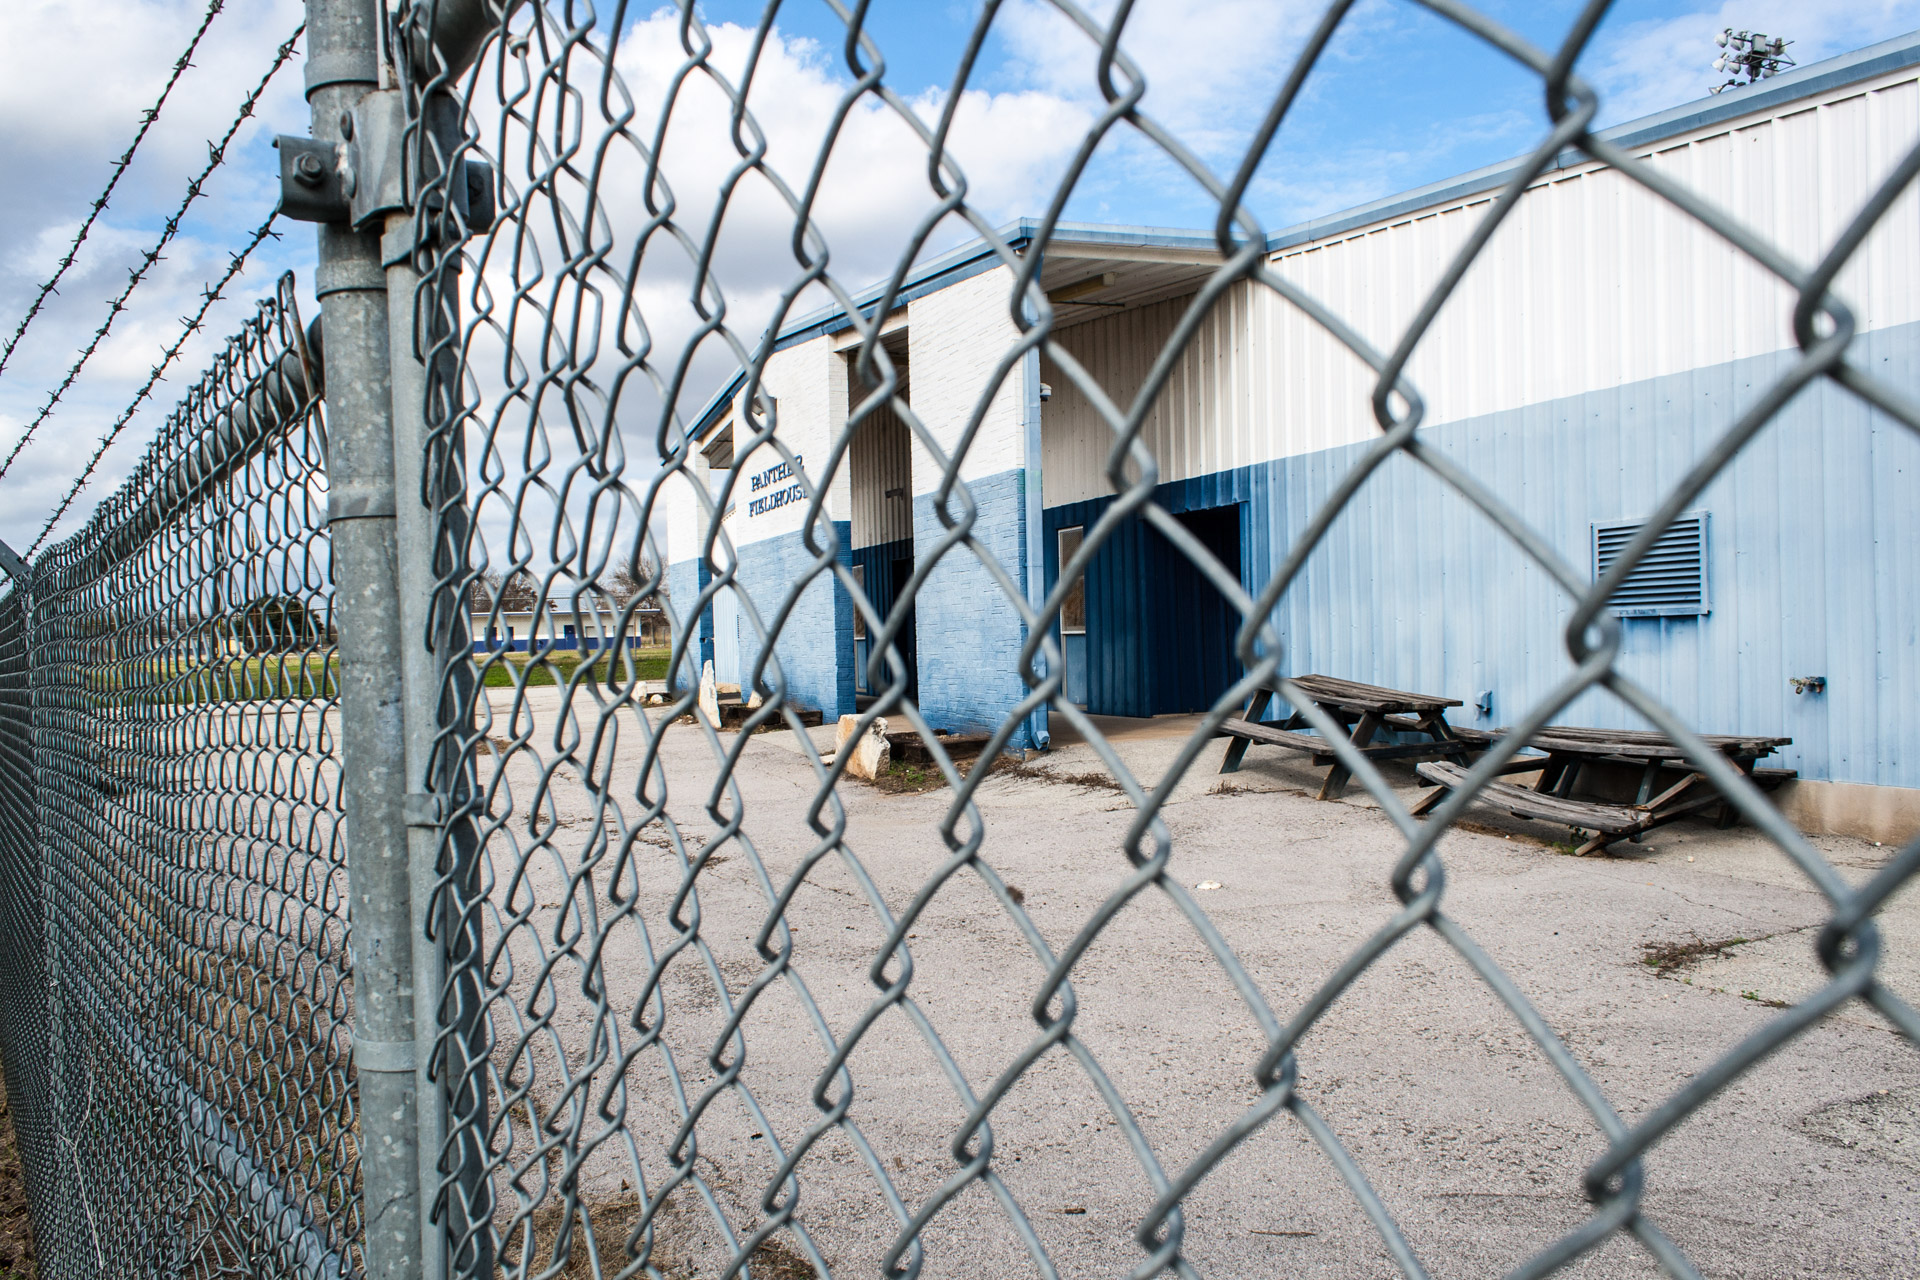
(1670, 579)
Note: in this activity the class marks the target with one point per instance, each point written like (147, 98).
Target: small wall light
(1808, 684)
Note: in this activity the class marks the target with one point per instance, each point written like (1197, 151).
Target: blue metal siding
(1136, 605)
(1813, 563)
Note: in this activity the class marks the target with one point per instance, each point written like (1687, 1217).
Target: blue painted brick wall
(815, 646)
(969, 633)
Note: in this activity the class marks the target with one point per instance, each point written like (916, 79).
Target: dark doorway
(882, 572)
(1194, 626)
(905, 642)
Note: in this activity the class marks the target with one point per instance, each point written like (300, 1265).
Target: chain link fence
(178, 978)
(641, 993)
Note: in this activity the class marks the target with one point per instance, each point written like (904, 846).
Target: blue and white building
(1601, 343)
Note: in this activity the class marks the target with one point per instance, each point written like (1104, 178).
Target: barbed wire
(195, 186)
(119, 170)
(192, 325)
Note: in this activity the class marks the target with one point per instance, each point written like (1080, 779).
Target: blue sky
(1402, 98)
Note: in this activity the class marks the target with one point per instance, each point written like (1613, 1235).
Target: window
(859, 618)
(1670, 580)
(1073, 610)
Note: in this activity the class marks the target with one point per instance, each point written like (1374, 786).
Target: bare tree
(620, 585)
(515, 594)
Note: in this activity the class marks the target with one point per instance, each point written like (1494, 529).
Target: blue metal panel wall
(969, 633)
(876, 563)
(1813, 554)
(683, 588)
(1130, 611)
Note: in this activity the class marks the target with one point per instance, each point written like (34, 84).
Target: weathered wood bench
(1612, 821)
(1568, 752)
(1368, 710)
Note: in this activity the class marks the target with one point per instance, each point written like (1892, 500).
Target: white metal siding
(881, 459)
(1591, 283)
(1594, 282)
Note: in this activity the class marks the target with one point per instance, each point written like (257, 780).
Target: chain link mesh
(711, 1008)
(178, 982)
(669, 1067)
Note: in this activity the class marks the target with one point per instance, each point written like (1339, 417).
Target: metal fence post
(437, 670)
(344, 65)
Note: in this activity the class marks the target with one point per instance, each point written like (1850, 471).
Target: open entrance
(1146, 633)
(1194, 661)
(880, 466)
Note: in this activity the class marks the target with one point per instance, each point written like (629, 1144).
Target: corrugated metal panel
(884, 568)
(1591, 283)
(1159, 638)
(1814, 547)
(880, 462)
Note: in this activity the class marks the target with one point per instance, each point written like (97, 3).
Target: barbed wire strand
(195, 186)
(99, 205)
(192, 325)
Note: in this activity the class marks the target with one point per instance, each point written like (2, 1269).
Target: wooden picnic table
(1368, 710)
(1570, 752)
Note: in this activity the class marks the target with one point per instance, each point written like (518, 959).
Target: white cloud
(74, 81)
(1650, 65)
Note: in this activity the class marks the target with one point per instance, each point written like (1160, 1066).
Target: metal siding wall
(1813, 550)
(1126, 625)
(1813, 535)
(881, 459)
(1591, 283)
(882, 591)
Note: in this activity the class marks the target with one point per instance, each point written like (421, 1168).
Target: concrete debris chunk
(870, 754)
(709, 696)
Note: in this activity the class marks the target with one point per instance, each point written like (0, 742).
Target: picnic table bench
(1570, 752)
(1368, 710)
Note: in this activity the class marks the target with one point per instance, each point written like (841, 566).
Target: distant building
(1597, 347)
(515, 626)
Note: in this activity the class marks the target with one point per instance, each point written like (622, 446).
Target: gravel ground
(1809, 1165)
(16, 1230)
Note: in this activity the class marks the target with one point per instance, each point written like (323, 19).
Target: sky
(1400, 99)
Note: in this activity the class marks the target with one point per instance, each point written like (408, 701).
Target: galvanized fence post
(345, 66)
(437, 674)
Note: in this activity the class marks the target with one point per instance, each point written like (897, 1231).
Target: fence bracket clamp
(424, 809)
(383, 166)
(315, 178)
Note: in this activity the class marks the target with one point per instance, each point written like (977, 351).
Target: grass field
(314, 675)
(649, 664)
(169, 683)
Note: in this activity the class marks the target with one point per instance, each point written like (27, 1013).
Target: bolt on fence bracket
(315, 178)
(372, 173)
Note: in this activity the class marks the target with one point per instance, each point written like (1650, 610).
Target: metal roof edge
(950, 268)
(1815, 78)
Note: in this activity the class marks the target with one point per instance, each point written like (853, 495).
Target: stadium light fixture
(1750, 54)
